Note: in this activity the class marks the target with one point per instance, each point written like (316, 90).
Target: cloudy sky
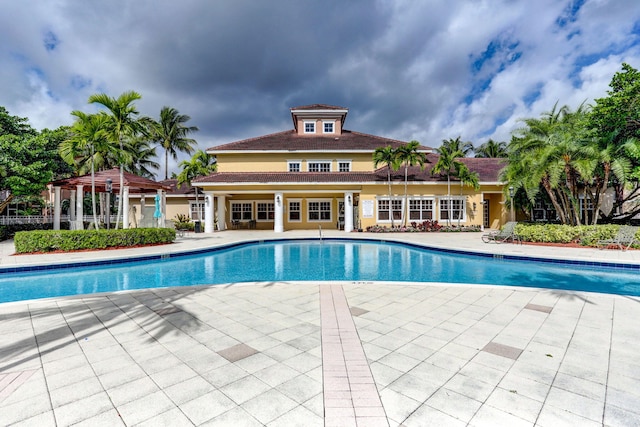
(426, 70)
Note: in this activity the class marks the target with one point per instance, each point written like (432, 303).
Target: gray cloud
(408, 70)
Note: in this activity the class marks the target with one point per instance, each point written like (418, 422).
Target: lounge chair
(625, 237)
(507, 233)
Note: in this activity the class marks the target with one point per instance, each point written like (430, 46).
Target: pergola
(132, 184)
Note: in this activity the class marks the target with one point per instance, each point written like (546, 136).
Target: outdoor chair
(507, 233)
(625, 237)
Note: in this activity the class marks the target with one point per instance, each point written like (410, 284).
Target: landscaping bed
(46, 241)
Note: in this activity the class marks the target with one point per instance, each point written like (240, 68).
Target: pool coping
(123, 259)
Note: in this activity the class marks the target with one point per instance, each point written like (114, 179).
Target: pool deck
(323, 353)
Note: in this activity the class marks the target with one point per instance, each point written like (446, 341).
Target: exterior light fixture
(349, 199)
(278, 201)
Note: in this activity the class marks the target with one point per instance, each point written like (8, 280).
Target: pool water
(314, 260)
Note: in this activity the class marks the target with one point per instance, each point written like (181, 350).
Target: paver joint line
(344, 363)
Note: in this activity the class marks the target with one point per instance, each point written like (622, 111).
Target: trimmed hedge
(586, 235)
(65, 240)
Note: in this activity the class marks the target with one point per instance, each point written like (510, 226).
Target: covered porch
(108, 182)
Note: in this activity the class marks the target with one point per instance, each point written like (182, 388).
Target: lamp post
(511, 198)
(108, 187)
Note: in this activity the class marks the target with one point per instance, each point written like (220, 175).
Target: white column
(142, 207)
(348, 212)
(278, 225)
(208, 212)
(125, 207)
(79, 207)
(72, 207)
(56, 208)
(222, 212)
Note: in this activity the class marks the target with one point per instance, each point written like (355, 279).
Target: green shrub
(586, 235)
(64, 240)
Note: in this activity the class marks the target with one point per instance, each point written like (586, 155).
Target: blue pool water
(295, 260)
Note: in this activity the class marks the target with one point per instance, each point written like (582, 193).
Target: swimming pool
(316, 260)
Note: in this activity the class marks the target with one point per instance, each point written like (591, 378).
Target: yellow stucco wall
(366, 197)
(277, 162)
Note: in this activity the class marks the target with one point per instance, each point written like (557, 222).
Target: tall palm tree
(143, 155)
(446, 166)
(466, 177)
(201, 164)
(124, 125)
(456, 144)
(408, 155)
(491, 149)
(387, 156)
(87, 143)
(172, 132)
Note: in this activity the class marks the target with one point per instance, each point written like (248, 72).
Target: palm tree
(408, 155)
(457, 144)
(446, 166)
(124, 125)
(142, 154)
(87, 142)
(201, 164)
(492, 149)
(387, 156)
(172, 133)
(466, 177)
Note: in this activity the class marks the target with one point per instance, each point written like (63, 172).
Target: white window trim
(269, 202)
(377, 215)
(191, 209)
(306, 122)
(244, 202)
(330, 201)
(289, 210)
(452, 220)
(292, 162)
(319, 161)
(349, 161)
(333, 126)
(434, 205)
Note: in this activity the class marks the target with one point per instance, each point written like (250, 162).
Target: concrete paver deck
(340, 353)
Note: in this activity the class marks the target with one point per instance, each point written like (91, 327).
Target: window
(241, 211)
(344, 166)
(265, 211)
(457, 209)
(420, 210)
(319, 166)
(294, 211)
(309, 127)
(293, 166)
(196, 211)
(586, 209)
(327, 127)
(383, 209)
(319, 211)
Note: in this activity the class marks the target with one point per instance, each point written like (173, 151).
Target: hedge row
(586, 235)
(65, 240)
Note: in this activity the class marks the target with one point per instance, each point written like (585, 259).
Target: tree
(387, 156)
(172, 133)
(456, 144)
(87, 143)
(491, 149)
(124, 125)
(201, 164)
(466, 177)
(445, 165)
(408, 155)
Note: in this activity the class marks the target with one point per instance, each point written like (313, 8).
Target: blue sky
(411, 70)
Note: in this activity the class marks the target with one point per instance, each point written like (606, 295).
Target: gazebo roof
(136, 183)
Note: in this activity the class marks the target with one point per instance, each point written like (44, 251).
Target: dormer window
(327, 127)
(293, 166)
(309, 127)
